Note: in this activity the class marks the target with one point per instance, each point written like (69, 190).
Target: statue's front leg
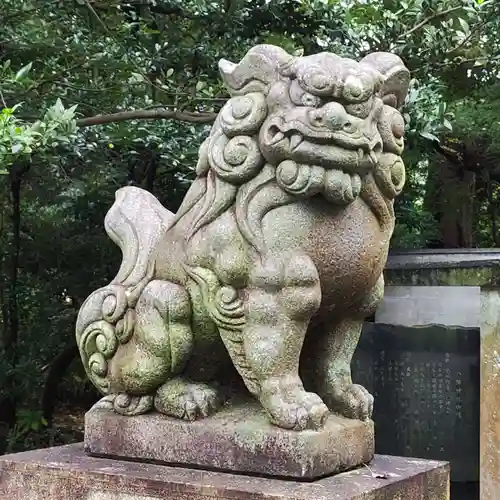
(277, 317)
(335, 349)
(333, 376)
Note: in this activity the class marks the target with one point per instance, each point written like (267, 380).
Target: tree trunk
(57, 369)
(450, 197)
(8, 403)
(152, 168)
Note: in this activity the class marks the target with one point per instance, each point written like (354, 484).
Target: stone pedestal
(239, 438)
(67, 473)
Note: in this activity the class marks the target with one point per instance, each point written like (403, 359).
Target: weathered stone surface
(468, 268)
(281, 238)
(238, 439)
(408, 305)
(67, 473)
(489, 442)
(452, 267)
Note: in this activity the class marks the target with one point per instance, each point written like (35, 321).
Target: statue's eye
(356, 90)
(302, 98)
(349, 127)
(361, 110)
(310, 100)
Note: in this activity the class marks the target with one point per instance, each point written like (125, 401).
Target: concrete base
(238, 438)
(67, 473)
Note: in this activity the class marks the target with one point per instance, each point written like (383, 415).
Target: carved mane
(233, 171)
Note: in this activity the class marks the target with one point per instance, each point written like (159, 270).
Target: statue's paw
(310, 413)
(187, 400)
(352, 401)
(312, 410)
(131, 406)
(289, 406)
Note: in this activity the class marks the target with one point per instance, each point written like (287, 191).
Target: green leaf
(430, 136)
(23, 72)
(58, 107)
(447, 124)
(136, 78)
(465, 25)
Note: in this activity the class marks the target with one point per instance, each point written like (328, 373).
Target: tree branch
(96, 15)
(161, 9)
(427, 20)
(148, 114)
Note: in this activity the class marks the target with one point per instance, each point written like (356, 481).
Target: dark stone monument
(439, 317)
(426, 387)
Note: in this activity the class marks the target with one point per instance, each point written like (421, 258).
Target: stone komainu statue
(275, 256)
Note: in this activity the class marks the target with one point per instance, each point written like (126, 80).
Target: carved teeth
(295, 141)
(356, 185)
(276, 138)
(373, 157)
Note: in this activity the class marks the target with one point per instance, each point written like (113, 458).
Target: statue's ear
(256, 71)
(396, 77)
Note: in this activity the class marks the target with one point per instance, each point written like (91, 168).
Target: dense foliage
(97, 94)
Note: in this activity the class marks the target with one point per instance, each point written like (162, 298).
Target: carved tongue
(295, 141)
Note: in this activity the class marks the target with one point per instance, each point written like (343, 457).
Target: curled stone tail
(107, 318)
(105, 321)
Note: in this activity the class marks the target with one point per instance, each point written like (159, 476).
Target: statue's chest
(346, 244)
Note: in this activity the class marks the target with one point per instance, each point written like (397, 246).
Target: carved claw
(291, 407)
(351, 401)
(297, 416)
(187, 400)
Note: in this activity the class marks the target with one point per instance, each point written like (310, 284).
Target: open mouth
(293, 137)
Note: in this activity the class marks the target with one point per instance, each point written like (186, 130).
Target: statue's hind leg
(166, 307)
(156, 350)
(278, 308)
(332, 371)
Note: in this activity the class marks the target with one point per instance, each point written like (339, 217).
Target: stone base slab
(68, 473)
(236, 439)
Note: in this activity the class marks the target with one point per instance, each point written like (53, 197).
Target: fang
(295, 141)
(276, 138)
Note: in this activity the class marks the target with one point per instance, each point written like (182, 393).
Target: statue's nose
(333, 116)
